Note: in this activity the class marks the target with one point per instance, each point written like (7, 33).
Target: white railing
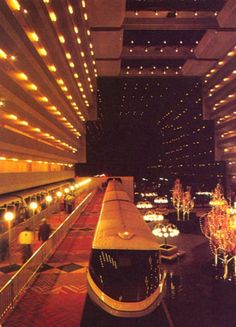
(23, 278)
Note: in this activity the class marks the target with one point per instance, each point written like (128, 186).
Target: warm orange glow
(78, 40)
(22, 76)
(3, 54)
(60, 81)
(43, 99)
(32, 87)
(33, 36)
(76, 29)
(52, 16)
(13, 4)
(42, 52)
(70, 9)
(68, 55)
(61, 38)
(52, 68)
(24, 123)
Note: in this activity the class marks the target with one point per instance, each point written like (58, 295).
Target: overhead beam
(170, 23)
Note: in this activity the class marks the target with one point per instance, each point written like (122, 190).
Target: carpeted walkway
(57, 297)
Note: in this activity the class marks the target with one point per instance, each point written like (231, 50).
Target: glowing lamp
(33, 205)
(59, 194)
(9, 216)
(48, 198)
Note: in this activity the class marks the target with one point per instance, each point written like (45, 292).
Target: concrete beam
(106, 13)
(193, 67)
(215, 44)
(108, 67)
(108, 44)
(227, 16)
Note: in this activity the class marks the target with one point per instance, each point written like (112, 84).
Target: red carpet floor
(57, 297)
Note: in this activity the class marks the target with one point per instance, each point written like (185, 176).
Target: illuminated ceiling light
(156, 13)
(88, 32)
(92, 53)
(42, 52)
(83, 3)
(1, 103)
(213, 70)
(71, 64)
(13, 5)
(234, 71)
(12, 117)
(46, 1)
(60, 81)
(43, 99)
(32, 87)
(136, 13)
(230, 54)
(3, 158)
(76, 75)
(85, 16)
(78, 40)
(64, 88)
(22, 76)
(195, 13)
(3, 54)
(52, 16)
(82, 54)
(13, 58)
(215, 13)
(61, 39)
(76, 29)
(33, 36)
(70, 9)
(38, 130)
(52, 68)
(24, 123)
(90, 45)
(220, 63)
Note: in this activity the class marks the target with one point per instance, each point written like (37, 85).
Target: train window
(131, 275)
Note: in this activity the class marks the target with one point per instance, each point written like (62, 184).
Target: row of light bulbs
(36, 161)
(38, 96)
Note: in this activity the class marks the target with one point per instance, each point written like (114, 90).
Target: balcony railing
(12, 291)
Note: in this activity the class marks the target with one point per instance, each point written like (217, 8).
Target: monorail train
(124, 277)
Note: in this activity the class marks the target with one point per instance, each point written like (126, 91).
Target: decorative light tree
(219, 226)
(187, 203)
(177, 196)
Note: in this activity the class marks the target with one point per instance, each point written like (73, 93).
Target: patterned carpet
(57, 297)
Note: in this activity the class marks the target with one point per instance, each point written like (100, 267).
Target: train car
(124, 277)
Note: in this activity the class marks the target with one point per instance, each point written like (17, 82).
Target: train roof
(114, 185)
(116, 195)
(121, 227)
